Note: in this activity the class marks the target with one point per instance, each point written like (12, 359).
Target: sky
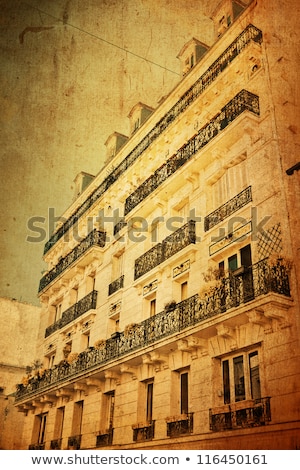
(70, 72)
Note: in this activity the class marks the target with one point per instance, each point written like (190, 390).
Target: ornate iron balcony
(251, 282)
(231, 206)
(143, 432)
(243, 101)
(36, 446)
(88, 302)
(94, 238)
(55, 444)
(116, 285)
(103, 440)
(255, 413)
(74, 442)
(177, 426)
(171, 245)
(251, 33)
(122, 223)
(259, 279)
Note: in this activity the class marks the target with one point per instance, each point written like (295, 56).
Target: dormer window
(136, 125)
(190, 54)
(226, 12)
(138, 115)
(113, 144)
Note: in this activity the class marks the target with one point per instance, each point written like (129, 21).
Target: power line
(99, 38)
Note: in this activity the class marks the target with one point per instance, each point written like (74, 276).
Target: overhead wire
(95, 36)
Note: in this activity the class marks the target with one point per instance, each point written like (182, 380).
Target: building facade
(18, 320)
(170, 309)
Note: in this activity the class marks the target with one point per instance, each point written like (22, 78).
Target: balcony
(75, 311)
(244, 285)
(74, 442)
(250, 34)
(118, 227)
(116, 285)
(106, 439)
(94, 238)
(239, 415)
(254, 282)
(55, 444)
(243, 101)
(143, 431)
(36, 446)
(178, 425)
(171, 245)
(227, 209)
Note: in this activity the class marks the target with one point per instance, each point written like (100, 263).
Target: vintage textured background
(71, 71)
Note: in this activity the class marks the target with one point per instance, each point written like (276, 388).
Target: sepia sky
(71, 71)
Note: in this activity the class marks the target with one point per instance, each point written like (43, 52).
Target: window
(230, 183)
(77, 418)
(144, 429)
(117, 265)
(184, 290)
(232, 263)
(51, 361)
(58, 311)
(149, 402)
(59, 422)
(108, 410)
(85, 341)
(74, 295)
(241, 380)
(39, 429)
(152, 307)
(184, 393)
(241, 259)
(183, 422)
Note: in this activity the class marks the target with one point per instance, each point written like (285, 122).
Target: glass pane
(149, 402)
(226, 383)
(232, 263)
(254, 375)
(184, 393)
(239, 379)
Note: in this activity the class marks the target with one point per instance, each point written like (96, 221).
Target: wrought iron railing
(116, 285)
(231, 206)
(259, 279)
(82, 306)
(122, 223)
(143, 432)
(74, 442)
(180, 425)
(171, 245)
(253, 413)
(106, 439)
(243, 101)
(55, 444)
(36, 446)
(94, 238)
(251, 33)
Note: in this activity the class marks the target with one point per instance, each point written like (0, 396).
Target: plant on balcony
(170, 306)
(130, 328)
(72, 357)
(25, 380)
(100, 344)
(67, 350)
(276, 260)
(212, 280)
